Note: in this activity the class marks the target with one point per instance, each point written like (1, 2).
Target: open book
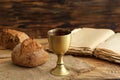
(102, 43)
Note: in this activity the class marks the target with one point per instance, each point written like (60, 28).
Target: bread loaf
(10, 38)
(29, 53)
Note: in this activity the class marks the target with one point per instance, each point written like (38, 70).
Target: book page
(112, 43)
(89, 37)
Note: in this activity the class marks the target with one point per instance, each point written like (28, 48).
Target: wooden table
(102, 69)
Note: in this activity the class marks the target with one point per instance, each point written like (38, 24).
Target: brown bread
(10, 38)
(29, 53)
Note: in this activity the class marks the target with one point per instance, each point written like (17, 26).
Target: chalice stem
(60, 68)
(60, 59)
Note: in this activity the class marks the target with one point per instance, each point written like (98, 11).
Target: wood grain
(36, 17)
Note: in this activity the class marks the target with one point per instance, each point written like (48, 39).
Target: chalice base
(60, 70)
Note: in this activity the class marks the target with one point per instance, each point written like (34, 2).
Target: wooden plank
(46, 14)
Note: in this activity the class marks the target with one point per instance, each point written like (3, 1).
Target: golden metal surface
(59, 42)
(60, 70)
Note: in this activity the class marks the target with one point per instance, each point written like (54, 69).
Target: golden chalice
(59, 42)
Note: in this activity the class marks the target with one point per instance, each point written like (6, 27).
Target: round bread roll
(10, 38)
(29, 53)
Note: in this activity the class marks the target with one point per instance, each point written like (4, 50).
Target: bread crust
(10, 38)
(29, 53)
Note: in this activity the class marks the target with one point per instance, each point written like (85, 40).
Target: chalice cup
(59, 42)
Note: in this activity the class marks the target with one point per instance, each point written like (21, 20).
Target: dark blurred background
(36, 17)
